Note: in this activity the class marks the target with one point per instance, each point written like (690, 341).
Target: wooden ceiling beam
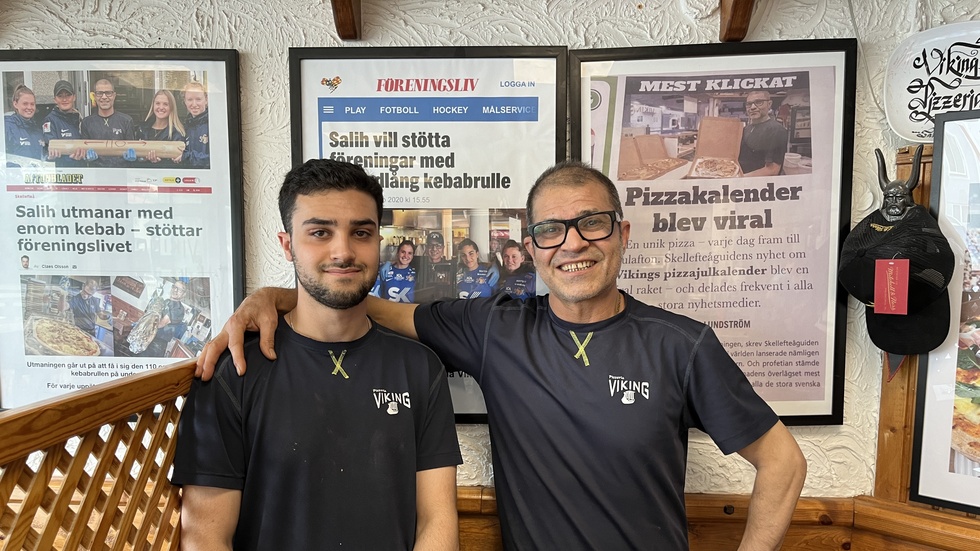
(347, 18)
(735, 17)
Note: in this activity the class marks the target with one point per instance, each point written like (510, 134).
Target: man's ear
(285, 241)
(529, 246)
(624, 228)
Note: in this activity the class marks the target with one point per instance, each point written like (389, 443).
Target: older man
(108, 124)
(590, 403)
(764, 140)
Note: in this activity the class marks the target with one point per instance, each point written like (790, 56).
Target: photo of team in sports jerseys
(106, 119)
(423, 261)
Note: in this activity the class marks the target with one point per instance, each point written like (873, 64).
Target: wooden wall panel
(897, 414)
(869, 541)
(917, 524)
(715, 536)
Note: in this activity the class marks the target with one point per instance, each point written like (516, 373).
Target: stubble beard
(337, 300)
(573, 296)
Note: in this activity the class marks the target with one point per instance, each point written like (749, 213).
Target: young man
(474, 278)
(590, 405)
(347, 440)
(107, 124)
(518, 279)
(764, 140)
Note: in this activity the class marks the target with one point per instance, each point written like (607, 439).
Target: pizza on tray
(711, 167)
(64, 338)
(652, 171)
(966, 413)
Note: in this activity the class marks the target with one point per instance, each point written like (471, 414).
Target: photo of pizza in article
(121, 316)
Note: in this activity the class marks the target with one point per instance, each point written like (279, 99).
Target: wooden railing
(89, 470)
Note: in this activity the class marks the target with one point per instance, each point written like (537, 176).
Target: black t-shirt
(762, 144)
(324, 442)
(589, 423)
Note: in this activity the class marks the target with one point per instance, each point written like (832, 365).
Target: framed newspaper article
(122, 195)
(456, 137)
(946, 446)
(733, 162)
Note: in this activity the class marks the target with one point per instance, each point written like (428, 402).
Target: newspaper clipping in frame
(456, 143)
(118, 212)
(730, 178)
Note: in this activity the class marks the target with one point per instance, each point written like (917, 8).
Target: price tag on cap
(892, 286)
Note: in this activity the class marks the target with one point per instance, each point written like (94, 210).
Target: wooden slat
(869, 541)
(73, 467)
(896, 416)
(713, 508)
(139, 485)
(479, 533)
(735, 18)
(158, 478)
(44, 424)
(916, 524)
(715, 536)
(347, 18)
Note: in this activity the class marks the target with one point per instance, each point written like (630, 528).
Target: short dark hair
(511, 244)
(320, 175)
(469, 242)
(573, 173)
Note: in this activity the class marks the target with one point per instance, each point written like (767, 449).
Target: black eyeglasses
(101, 94)
(594, 226)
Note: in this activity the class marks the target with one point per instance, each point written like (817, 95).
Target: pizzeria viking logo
(391, 400)
(631, 390)
(945, 80)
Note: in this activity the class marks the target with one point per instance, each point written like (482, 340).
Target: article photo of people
(161, 317)
(715, 126)
(429, 254)
(67, 315)
(150, 118)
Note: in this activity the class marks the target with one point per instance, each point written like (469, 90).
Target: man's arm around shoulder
(780, 472)
(208, 518)
(437, 525)
(258, 312)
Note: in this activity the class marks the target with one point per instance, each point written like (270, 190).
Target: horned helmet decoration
(896, 195)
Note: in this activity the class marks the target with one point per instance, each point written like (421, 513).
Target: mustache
(341, 265)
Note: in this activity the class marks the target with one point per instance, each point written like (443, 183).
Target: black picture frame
(667, 92)
(154, 206)
(521, 77)
(945, 470)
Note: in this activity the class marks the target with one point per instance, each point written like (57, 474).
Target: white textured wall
(841, 459)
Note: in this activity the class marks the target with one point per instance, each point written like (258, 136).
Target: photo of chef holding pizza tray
(108, 119)
(715, 126)
(67, 315)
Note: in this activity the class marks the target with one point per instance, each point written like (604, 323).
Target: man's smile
(577, 266)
